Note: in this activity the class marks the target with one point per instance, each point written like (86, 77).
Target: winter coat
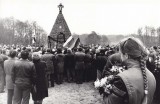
(49, 59)
(79, 59)
(41, 80)
(69, 60)
(1, 65)
(8, 66)
(23, 74)
(59, 63)
(100, 62)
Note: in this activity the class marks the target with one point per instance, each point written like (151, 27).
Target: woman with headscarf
(41, 89)
(136, 85)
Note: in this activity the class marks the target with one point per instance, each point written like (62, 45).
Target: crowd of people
(26, 69)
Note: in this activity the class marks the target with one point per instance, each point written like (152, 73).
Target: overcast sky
(84, 16)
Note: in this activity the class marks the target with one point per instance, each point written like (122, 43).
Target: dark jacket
(88, 58)
(59, 63)
(79, 59)
(1, 65)
(88, 61)
(41, 80)
(100, 62)
(69, 60)
(49, 59)
(23, 74)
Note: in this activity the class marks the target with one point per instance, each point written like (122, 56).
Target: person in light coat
(8, 65)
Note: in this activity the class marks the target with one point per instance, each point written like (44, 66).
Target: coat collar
(130, 63)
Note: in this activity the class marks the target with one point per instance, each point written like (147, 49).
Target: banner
(71, 42)
(33, 37)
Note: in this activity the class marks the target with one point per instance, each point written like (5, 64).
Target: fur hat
(36, 56)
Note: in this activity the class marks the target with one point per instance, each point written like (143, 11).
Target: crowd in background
(50, 66)
(47, 67)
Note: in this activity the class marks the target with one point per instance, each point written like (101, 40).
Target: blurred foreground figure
(3, 57)
(2, 79)
(136, 84)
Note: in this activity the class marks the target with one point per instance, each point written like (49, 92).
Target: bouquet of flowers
(104, 83)
(117, 69)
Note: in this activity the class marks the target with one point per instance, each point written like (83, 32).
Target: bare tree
(14, 31)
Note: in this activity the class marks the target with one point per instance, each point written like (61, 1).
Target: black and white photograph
(79, 52)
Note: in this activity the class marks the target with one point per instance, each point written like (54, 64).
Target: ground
(68, 93)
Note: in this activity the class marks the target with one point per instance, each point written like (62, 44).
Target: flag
(77, 43)
(33, 38)
(71, 42)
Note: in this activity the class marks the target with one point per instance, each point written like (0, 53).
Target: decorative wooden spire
(60, 6)
(60, 27)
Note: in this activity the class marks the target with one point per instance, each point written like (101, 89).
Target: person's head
(133, 48)
(4, 51)
(59, 50)
(155, 48)
(80, 49)
(102, 51)
(48, 50)
(151, 50)
(69, 51)
(12, 53)
(74, 49)
(24, 54)
(65, 50)
(28, 49)
(87, 50)
(36, 56)
(24, 48)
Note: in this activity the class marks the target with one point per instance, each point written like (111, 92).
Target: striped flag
(77, 43)
(71, 42)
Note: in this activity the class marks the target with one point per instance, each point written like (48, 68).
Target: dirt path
(68, 93)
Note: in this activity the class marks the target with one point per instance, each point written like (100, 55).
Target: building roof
(60, 26)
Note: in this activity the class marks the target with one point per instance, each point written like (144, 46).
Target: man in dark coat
(101, 60)
(41, 80)
(49, 59)
(23, 76)
(87, 61)
(59, 65)
(69, 65)
(79, 66)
